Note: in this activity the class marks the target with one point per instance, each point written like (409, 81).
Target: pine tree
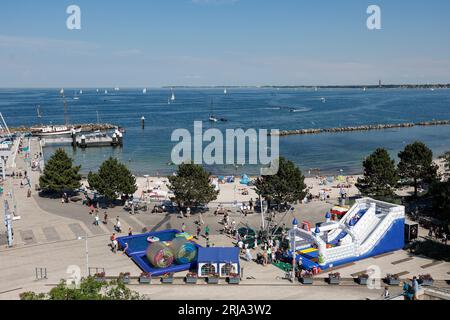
(287, 186)
(191, 186)
(60, 175)
(380, 175)
(416, 165)
(112, 180)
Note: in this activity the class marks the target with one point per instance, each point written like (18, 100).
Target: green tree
(416, 165)
(112, 180)
(191, 186)
(380, 175)
(60, 175)
(89, 289)
(440, 194)
(286, 186)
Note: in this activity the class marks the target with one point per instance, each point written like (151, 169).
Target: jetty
(361, 128)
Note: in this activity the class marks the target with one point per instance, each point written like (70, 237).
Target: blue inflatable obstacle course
(161, 252)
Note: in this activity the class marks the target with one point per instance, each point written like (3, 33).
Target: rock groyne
(363, 127)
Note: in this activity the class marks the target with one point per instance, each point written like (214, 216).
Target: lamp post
(294, 247)
(86, 252)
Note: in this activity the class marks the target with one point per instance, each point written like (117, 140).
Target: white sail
(81, 91)
(225, 91)
(106, 91)
(61, 92)
(173, 97)
(144, 91)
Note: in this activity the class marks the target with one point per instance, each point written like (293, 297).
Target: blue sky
(222, 42)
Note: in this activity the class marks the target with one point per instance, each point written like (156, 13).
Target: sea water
(148, 150)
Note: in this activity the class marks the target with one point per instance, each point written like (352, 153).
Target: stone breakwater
(86, 127)
(364, 127)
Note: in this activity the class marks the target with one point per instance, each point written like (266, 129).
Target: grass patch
(286, 267)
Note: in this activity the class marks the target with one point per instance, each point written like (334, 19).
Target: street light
(87, 252)
(294, 246)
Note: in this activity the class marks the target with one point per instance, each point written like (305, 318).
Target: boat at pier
(52, 131)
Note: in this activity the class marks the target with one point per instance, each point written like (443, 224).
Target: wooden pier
(87, 141)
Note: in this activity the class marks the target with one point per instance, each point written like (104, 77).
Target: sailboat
(144, 91)
(225, 91)
(364, 89)
(61, 92)
(81, 91)
(106, 91)
(168, 100)
(173, 96)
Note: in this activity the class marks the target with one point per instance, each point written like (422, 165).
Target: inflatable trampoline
(161, 252)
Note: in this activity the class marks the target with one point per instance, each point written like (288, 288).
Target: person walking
(207, 231)
(118, 225)
(105, 218)
(199, 230)
(96, 219)
(248, 255)
(386, 295)
(415, 285)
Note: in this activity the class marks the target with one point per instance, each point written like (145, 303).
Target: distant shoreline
(356, 86)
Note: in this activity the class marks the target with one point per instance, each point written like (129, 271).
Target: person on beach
(96, 220)
(199, 230)
(130, 231)
(207, 231)
(105, 218)
(183, 227)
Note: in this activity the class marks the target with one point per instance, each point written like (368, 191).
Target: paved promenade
(52, 235)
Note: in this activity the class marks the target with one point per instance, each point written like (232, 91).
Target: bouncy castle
(368, 229)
